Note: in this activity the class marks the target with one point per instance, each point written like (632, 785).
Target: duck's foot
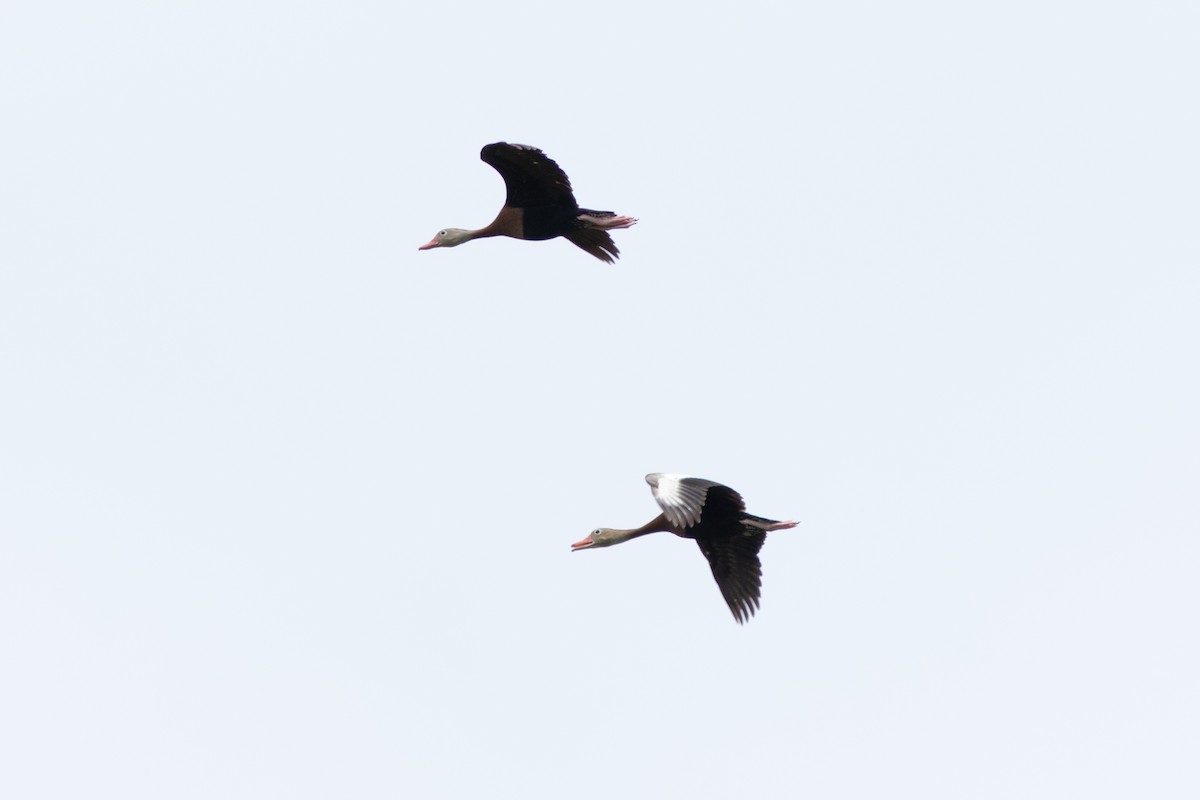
(612, 222)
(770, 525)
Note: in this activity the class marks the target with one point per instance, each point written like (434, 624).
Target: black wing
(596, 242)
(731, 548)
(722, 512)
(736, 568)
(532, 177)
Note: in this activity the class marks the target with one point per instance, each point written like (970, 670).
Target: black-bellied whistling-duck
(715, 516)
(540, 205)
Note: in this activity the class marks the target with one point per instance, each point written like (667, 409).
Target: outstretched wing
(596, 242)
(683, 499)
(736, 568)
(532, 177)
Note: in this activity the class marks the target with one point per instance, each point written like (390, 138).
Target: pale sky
(286, 505)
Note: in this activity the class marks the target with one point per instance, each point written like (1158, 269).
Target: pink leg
(770, 526)
(608, 222)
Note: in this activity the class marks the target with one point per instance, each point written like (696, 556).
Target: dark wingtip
(744, 611)
(596, 242)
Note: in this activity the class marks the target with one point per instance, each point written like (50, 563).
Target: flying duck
(715, 516)
(539, 205)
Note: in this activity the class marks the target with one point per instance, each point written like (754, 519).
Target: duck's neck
(481, 233)
(656, 525)
(509, 222)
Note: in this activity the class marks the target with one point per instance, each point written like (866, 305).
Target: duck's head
(447, 237)
(601, 537)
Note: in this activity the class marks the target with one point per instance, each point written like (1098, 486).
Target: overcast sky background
(286, 505)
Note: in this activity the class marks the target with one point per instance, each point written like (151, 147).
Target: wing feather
(596, 242)
(532, 177)
(736, 569)
(682, 498)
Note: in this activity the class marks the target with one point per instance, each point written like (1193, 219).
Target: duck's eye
(596, 532)
(441, 233)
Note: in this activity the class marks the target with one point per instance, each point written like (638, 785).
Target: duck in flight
(539, 205)
(715, 516)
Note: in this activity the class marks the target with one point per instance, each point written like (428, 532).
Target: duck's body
(715, 516)
(539, 205)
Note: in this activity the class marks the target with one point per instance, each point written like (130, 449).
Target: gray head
(448, 237)
(601, 537)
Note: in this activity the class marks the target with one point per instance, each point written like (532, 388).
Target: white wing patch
(680, 497)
